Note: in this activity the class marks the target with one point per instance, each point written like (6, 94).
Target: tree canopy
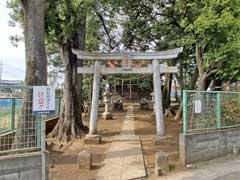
(208, 31)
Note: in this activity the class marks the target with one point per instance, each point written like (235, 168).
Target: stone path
(125, 158)
(222, 169)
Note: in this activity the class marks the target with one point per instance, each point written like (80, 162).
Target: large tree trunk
(167, 91)
(192, 84)
(166, 96)
(36, 69)
(36, 61)
(70, 122)
(203, 77)
(79, 43)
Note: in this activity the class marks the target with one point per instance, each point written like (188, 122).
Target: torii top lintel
(161, 55)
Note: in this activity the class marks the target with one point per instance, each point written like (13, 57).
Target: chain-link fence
(207, 110)
(20, 130)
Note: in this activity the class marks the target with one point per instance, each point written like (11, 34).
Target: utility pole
(1, 70)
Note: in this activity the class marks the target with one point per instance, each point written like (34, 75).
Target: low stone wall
(209, 145)
(27, 166)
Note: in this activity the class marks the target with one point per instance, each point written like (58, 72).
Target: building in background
(11, 82)
(9, 90)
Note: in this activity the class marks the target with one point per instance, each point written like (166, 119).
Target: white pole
(158, 99)
(95, 99)
(122, 87)
(130, 89)
(115, 86)
(43, 147)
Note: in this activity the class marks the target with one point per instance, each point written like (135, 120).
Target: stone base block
(158, 171)
(84, 160)
(160, 140)
(92, 139)
(107, 116)
(161, 161)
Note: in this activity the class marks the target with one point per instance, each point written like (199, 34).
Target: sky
(13, 59)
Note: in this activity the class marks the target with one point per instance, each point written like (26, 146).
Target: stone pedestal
(84, 160)
(161, 163)
(158, 171)
(107, 116)
(92, 139)
(160, 139)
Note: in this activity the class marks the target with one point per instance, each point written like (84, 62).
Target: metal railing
(10, 108)
(209, 110)
(20, 129)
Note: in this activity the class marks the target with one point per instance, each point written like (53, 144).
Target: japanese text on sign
(43, 100)
(198, 106)
(126, 62)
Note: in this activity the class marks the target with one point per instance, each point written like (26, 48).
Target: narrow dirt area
(63, 160)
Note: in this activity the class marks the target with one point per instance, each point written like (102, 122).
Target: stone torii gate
(155, 68)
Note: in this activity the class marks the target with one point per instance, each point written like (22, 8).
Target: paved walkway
(125, 158)
(221, 169)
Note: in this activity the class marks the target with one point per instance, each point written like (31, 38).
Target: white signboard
(198, 106)
(126, 62)
(43, 100)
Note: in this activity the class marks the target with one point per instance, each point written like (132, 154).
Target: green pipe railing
(219, 109)
(14, 108)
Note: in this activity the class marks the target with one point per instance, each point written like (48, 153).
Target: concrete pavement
(227, 168)
(124, 158)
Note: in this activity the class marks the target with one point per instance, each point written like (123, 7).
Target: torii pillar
(93, 137)
(158, 99)
(95, 100)
(155, 68)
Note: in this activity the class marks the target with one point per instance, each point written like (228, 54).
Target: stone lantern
(106, 100)
(152, 102)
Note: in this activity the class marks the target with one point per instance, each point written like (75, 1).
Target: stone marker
(158, 171)
(84, 160)
(191, 166)
(161, 163)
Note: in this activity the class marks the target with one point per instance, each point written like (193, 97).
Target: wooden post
(158, 99)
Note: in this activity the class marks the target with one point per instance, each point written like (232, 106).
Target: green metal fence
(20, 130)
(208, 110)
(10, 107)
